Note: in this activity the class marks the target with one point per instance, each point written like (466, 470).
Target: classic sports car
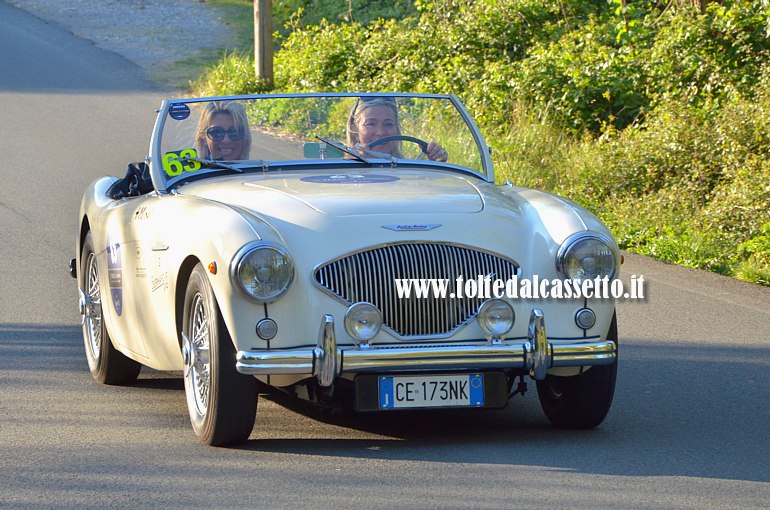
(348, 249)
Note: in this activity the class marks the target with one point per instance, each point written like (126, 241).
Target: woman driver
(373, 118)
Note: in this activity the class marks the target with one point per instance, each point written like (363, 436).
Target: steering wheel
(422, 143)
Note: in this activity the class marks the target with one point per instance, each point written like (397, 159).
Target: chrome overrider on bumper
(326, 361)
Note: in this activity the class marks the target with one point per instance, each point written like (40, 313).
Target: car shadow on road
(165, 381)
(679, 410)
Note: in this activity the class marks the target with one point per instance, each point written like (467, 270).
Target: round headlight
(264, 272)
(362, 322)
(496, 318)
(586, 256)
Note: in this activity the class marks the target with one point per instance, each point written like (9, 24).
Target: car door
(118, 269)
(152, 228)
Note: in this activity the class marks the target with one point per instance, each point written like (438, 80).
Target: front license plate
(397, 392)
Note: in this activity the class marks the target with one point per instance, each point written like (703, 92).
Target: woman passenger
(223, 132)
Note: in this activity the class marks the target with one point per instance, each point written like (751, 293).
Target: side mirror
(321, 150)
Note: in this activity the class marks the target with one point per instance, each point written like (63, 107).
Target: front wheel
(106, 363)
(222, 402)
(581, 401)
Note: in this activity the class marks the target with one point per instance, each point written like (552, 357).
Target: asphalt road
(689, 428)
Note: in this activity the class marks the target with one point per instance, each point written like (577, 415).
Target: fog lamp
(496, 318)
(362, 322)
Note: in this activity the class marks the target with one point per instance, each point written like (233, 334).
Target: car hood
(343, 212)
(371, 193)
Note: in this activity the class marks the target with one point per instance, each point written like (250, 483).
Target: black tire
(222, 403)
(106, 363)
(581, 401)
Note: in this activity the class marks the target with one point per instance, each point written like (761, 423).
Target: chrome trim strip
(421, 358)
(539, 355)
(327, 361)
(298, 361)
(298, 95)
(154, 159)
(326, 354)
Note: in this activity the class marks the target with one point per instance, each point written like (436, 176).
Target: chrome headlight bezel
(569, 245)
(242, 257)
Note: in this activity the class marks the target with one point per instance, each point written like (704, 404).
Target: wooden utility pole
(263, 40)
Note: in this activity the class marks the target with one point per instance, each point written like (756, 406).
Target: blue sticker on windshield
(350, 179)
(179, 111)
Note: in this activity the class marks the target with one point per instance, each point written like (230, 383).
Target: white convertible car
(348, 249)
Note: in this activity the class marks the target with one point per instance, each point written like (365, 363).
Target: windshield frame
(162, 185)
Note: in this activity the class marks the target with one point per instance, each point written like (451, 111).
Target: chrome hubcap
(90, 305)
(195, 352)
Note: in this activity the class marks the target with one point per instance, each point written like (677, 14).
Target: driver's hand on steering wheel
(361, 148)
(436, 152)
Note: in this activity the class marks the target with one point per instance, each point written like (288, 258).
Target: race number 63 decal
(174, 163)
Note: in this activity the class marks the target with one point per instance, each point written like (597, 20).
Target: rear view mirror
(320, 150)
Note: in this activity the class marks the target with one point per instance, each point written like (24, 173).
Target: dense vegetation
(650, 113)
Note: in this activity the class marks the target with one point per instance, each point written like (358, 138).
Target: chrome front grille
(370, 276)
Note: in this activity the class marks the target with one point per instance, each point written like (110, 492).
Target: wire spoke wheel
(198, 378)
(222, 403)
(92, 319)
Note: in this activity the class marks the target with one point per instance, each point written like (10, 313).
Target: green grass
(238, 16)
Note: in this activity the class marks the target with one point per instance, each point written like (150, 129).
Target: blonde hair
(234, 109)
(362, 103)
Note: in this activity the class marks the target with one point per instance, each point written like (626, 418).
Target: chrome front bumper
(326, 361)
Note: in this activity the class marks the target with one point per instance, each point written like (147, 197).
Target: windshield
(200, 137)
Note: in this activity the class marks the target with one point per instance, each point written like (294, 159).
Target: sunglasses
(217, 133)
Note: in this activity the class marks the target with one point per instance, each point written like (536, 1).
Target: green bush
(233, 75)
(755, 267)
(647, 112)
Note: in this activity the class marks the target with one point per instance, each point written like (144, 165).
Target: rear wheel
(106, 363)
(222, 402)
(581, 401)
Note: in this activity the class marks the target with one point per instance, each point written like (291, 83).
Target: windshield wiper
(210, 163)
(384, 155)
(345, 149)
